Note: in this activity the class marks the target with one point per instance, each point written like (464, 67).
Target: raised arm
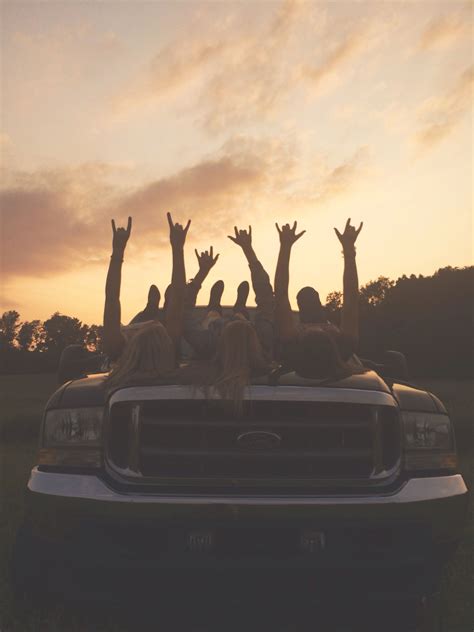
(206, 261)
(174, 311)
(260, 279)
(284, 322)
(350, 307)
(113, 339)
(264, 318)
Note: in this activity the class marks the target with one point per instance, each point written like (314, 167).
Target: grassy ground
(21, 403)
(22, 399)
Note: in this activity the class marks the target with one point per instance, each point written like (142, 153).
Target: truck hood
(91, 391)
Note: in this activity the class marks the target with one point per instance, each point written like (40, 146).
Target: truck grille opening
(282, 440)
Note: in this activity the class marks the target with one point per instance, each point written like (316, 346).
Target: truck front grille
(284, 440)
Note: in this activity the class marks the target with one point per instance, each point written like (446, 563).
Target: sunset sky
(230, 113)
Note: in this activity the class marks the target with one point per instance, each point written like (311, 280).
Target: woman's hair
(238, 357)
(149, 353)
(314, 354)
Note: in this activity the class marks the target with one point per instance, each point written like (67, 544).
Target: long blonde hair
(315, 354)
(239, 356)
(149, 353)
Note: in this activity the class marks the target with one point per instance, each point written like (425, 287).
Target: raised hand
(120, 236)
(288, 235)
(177, 232)
(243, 238)
(350, 234)
(206, 259)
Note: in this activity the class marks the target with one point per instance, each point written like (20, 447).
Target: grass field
(21, 403)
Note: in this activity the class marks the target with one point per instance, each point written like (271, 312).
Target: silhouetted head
(309, 305)
(314, 354)
(148, 353)
(239, 356)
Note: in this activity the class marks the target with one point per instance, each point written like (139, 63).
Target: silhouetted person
(203, 336)
(300, 344)
(309, 306)
(128, 344)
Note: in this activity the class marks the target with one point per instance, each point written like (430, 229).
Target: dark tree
(9, 324)
(60, 331)
(375, 292)
(334, 306)
(30, 335)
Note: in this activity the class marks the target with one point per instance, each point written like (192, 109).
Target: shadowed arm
(175, 308)
(284, 322)
(113, 339)
(350, 307)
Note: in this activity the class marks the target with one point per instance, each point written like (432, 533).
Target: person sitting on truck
(232, 351)
(127, 345)
(204, 335)
(316, 345)
(239, 358)
(152, 309)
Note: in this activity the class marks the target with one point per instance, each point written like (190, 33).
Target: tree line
(428, 318)
(34, 345)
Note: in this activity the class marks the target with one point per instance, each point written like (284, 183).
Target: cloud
(443, 30)
(173, 68)
(344, 176)
(337, 57)
(208, 192)
(235, 71)
(40, 233)
(241, 69)
(439, 116)
(51, 218)
(54, 220)
(254, 81)
(321, 181)
(57, 220)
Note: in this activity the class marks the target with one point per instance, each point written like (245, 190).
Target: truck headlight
(72, 437)
(429, 441)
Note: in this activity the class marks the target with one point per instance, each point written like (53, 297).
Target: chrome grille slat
(244, 424)
(309, 454)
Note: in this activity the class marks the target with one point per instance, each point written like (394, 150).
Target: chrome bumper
(93, 488)
(68, 507)
(438, 503)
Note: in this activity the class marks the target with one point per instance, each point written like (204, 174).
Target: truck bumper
(82, 517)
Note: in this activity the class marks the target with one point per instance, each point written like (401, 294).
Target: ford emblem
(258, 440)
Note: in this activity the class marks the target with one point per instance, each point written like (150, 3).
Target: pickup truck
(354, 482)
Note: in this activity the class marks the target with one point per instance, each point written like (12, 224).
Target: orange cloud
(42, 234)
(342, 178)
(252, 83)
(208, 192)
(341, 54)
(439, 116)
(171, 69)
(55, 220)
(241, 71)
(58, 220)
(442, 30)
